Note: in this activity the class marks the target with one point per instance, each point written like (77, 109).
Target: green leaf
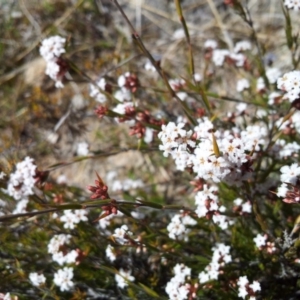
(149, 291)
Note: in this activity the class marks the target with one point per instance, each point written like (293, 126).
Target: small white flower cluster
(71, 219)
(282, 149)
(149, 66)
(177, 85)
(105, 221)
(290, 83)
(176, 288)
(122, 234)
(82, 149)
(246, 289)
(56, 244)
(21, 206)
(219, 55)
(207, 202)
(220, 257)
(5, 297)
(97, 92)
(242, 84)
(261, 243)
(123, 277)
(273, 97)
(110, 253)
(242, 207)
(292, 4)
(175, 142)
(272, 75)
(177, 227)
(126, 185)
(21, 182)
(210, 44)
(37, 279)
(233, 146)
(123, 94)
(292, 123)
(50, 50)
(63, 279)
(288, 177)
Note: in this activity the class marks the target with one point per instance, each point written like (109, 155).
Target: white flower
(176, 287)
(97, 92)
(260, 240)
(21, 206)
(6, 296)
(260, 84)
(220, 257)
(282, 190)
(71, 257)
(255, 286)
(82, 149)
(290, 173)
(247, 207)
(21, 182)
(242, 292)
(238, 58)
(273, 74)
(204, 277)
(178, 34)
(110, 253)
(121, 234)
(63, 279)
(290, 83)
(148, 137)
(123, 277)
(197, 77)
(52, 47)
(242, 84)
(242, 281)
(37, 279)
(219, 56)
(57, 241)
(149, 66)
(71, 218)
(292, 4)
(59, 257)
(273, 97)
(242, 46)
(62, 179)
(123, 95)
(50, 50)
(212, 44)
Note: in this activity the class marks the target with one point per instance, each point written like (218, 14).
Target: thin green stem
(187, 35)
(160, 71)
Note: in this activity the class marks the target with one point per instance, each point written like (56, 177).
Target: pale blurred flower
(37, 279)
(290, 83)
(63, 279)
(290, 173)
(242, 84)
(52, 47)
(21, 207)
(292, 4)
(110, 254)
(242, 46)
(82, 149)
(212, 44)
(22, 181)
(123, 277)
